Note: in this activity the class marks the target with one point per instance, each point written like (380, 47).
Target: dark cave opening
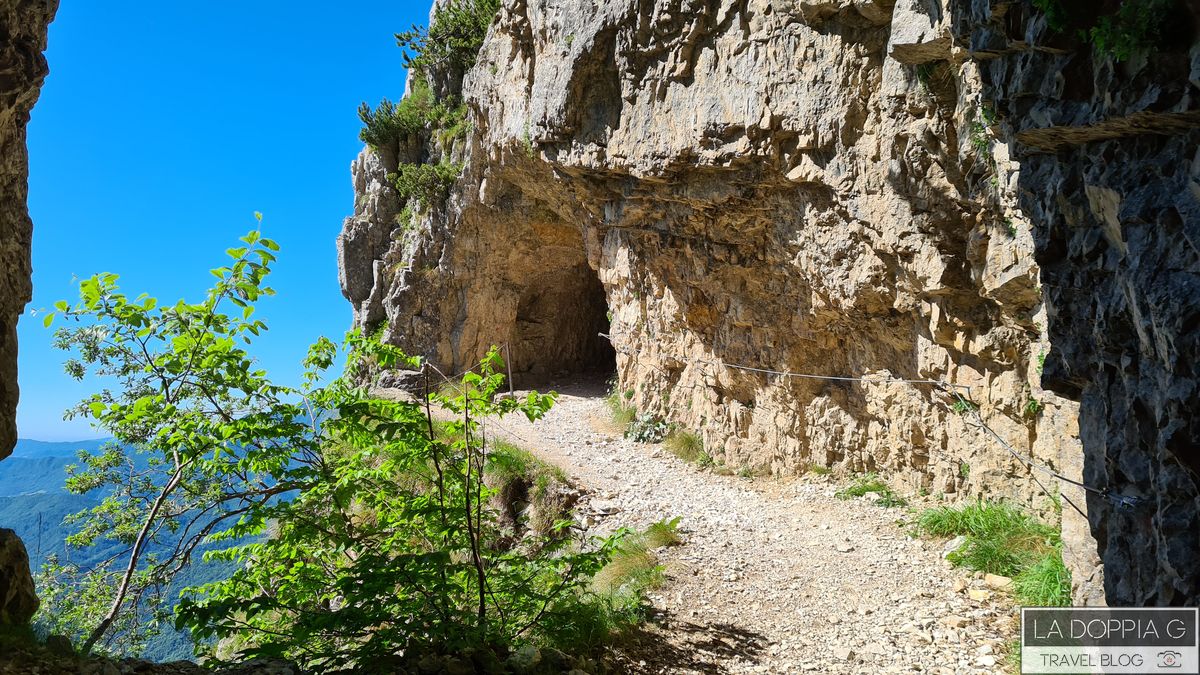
(559, 319)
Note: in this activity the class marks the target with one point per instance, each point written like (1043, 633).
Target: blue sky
(163, 127)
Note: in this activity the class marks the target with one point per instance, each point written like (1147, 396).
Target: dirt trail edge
(774, 576)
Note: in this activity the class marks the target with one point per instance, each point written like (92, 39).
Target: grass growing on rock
(1045, 583)
(1012, 655)
(618, 591)
(1000, 539)
(687, 446)
(662, 533)
(869, 483)
(634, 566)
(623, 414)
(519, 476)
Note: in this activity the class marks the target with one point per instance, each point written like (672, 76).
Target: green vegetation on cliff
(1132, 26)
(443, 52)
(453, 38)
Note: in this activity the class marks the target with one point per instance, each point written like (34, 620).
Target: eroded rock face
(1111, 179)
(23, 26)
(817, 187)
(18, 600)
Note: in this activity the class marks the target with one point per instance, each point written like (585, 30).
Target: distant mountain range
(34, 501)
(26, 447)
(40, 466)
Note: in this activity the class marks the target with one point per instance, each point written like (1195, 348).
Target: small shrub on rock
(648, 429)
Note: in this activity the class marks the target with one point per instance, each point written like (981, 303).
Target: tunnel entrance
(559, 318)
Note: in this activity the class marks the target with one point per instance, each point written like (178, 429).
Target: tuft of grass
(868, 483)
(1045, 583)
(819, 469)
(1012, 655)
(685, 445)
(662, 533)
(517, 475)
(504, 458)
(623, 414)
(455, 389)
(1000, 539)
(634, 567)
(962, 406)
(614, 604)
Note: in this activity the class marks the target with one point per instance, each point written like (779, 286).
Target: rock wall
(1110, 175)
(817, 186)
(22, 68)
(23, 26)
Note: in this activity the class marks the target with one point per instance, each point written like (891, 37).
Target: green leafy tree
(73, 597)
(360, 529)
(217, 439)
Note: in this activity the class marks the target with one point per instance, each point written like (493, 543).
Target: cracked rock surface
(811, 187)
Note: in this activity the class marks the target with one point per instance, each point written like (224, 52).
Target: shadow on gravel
(670, 644)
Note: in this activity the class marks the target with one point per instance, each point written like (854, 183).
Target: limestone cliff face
(1110, 176)
(23, 26)
(825, 187)
(22, 68)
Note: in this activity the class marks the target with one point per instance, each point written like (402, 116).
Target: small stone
(986, 661)
(953, 545)
(843, 653)
(844, 548)
(525, 658)
(996, 581)
(955, 621)
(979, 594)
(60, 645)
(605, 507)
(960, 585)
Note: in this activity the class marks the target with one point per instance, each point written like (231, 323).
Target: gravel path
(774, 576)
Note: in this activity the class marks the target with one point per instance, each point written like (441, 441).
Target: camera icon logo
(1170, 659)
